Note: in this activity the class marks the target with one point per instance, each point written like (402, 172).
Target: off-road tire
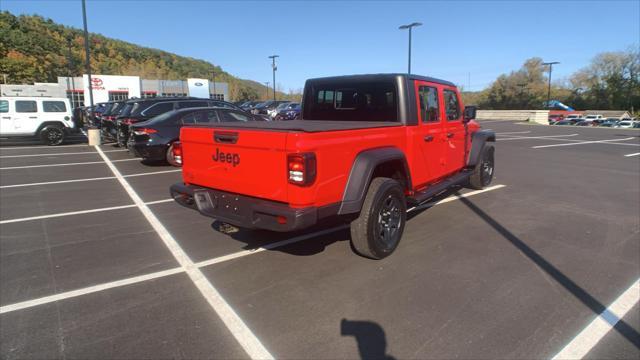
(170, 158)
(120, 140)
(384, 196)
(484, 170)
(52, 135)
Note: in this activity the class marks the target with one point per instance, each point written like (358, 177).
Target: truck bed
(309, 126)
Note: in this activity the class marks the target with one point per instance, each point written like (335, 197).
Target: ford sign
(198, 84)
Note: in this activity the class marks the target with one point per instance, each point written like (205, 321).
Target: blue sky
(458, 38)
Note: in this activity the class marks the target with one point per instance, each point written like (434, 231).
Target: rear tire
(52, 135)
(170, 158)
(120, 140)
(483, 172)
(376, 233)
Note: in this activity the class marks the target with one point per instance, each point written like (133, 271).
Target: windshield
(351, 100)
(126, 110)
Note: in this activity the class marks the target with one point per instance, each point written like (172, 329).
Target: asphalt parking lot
(97, 262)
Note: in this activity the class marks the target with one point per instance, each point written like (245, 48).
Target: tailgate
(247, 162)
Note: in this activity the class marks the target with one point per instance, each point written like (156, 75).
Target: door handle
(428, 138)
(6, 117)
(449, 135)
(33, 117)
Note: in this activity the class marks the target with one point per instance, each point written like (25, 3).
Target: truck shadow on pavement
(371, 339)
(574, 289)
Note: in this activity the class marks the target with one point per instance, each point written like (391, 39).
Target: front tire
(376, 233)
(483, 172)
(52, 135)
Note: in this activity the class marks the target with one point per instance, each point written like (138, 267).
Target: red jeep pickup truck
(367, 146)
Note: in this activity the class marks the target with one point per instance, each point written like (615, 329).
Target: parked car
(365, 151)
(594, 117)
(157, 139)
(264, 107)
(247, 106)
(626, 124)
(566, 122)
(145, 109)
(555, 117)
(584, 123)
(273, 112)
(108, 128)
(573, 117)
(50, 119)
(290, 112)
(609, 122)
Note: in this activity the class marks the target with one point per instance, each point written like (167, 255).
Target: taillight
(128, 121)
(302, 168)
(144, 131)
(177, 152)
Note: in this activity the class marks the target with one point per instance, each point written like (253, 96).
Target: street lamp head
(551, 63)
(408, 26)
(274, 56)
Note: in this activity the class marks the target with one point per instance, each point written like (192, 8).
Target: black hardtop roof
(385, 76)
(160, 99)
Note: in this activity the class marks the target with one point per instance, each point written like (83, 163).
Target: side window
(54, 106)
(429, 105)
(208, 117)
(189, 119)
(158, 109)
(451, 105)
(233, 116)
(26, 106)
(325, 97)
(192, 104)
(4, 106)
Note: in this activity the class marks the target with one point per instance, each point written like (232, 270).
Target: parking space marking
(245, 337)
(80, 212)
(86, 179)
(634, 154)
(512, 132)
(601, 325)
(65, 164)
(56, 154)
(38, 147)
(455, 197)
(88, 290)
(550, 137)
(216, 260)
(610, 141)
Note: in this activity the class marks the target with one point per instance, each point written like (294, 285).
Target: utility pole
(274, 67)
(409, 26)
(70, 76)
(549, 88)
(213, 74)
(267, 84)
(4, 76)
(87, 60)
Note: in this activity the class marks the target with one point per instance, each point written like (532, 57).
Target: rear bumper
(147, 151)
(243, 211)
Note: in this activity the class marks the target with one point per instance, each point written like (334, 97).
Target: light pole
(267, 84)
(274, 67)
(213, 75)
(409, 26)
(549, 88)
(86, 51)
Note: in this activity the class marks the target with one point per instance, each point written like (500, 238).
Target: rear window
(126, 110)
(157, 109)
(4, 106)
(54, 106)
(351, 101)
(26, 106)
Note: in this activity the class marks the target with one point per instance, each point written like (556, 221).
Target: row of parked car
(150, 128)
(593, 120)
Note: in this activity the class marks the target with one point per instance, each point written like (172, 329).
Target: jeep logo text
(230, 158)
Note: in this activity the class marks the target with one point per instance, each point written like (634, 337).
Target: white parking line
(65, 164)
(455, 197)
(80, 212)
(56, 154)
(611, 141)
(217, 260)
(634, 154)
(534, 137)
(512, 132)
(601, 325)
(87, 179)
(245, 337)
(2, 148)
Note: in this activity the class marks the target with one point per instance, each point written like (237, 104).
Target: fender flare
(478, 140)
(46, 124)
(362, 170)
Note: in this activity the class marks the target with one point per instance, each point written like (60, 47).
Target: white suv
(48, 118)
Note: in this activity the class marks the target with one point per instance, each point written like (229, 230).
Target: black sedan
(157, 139)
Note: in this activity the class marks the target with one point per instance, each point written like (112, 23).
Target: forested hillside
(34, 49)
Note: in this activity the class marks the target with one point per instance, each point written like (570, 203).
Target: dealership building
(115, 87)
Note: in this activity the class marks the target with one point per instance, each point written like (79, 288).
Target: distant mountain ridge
(35, 49)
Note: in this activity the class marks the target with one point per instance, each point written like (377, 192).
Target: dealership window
(4, 106)
(54, 106)
(149, 94)
(174, 94)
(76, 98)
(216, 97)
(118, 95)
(429, 107)
(26, 106)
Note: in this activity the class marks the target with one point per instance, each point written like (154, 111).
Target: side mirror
(469, 113)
